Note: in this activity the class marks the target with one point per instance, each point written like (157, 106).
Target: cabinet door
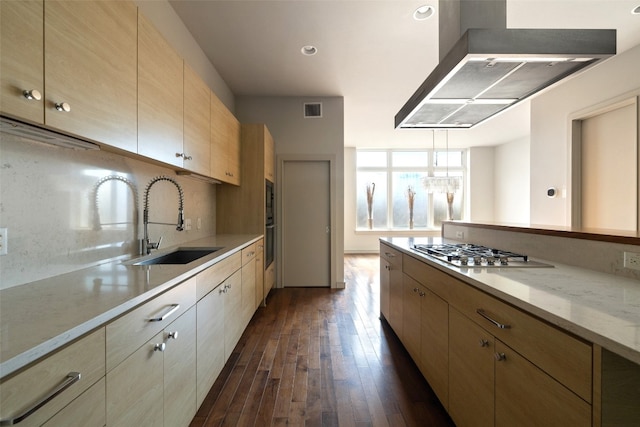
(434, 343)
(197, 120)
(88, 410)
(90, 63)
(259, 273)
(180, 370)
(395, 298)
(135, 388)
(526, 396)
(269, 156)
(471, 375)
(225, 143)
(248, 291)
(385, 268)
(21, 61)
(269, 279)
(411, 317)
(160, 96)
(233, 326)
(210, 358)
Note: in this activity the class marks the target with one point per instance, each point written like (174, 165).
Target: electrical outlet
(3, 241)
(632, 260)
(199, 223)
(459, 234)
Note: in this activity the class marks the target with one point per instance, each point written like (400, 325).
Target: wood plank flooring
(321, 357)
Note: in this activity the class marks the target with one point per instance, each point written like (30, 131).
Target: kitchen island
(572, 333)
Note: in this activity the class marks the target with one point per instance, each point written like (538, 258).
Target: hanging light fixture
(442, 184)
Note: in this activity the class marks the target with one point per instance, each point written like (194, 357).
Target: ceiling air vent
(312, 110)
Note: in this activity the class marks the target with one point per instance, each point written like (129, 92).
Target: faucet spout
(147, 245)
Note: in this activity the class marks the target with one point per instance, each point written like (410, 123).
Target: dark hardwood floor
(321, 357)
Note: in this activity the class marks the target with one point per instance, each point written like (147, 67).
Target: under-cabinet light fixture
(198, 177)
(38, 134)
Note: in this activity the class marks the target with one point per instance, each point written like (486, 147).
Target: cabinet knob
(63, 106)
(484, 343)
(32, 94)
(160, 347)
(184, 156)
(415, 289)
(421, 293)
(500, 357)
(172, 335)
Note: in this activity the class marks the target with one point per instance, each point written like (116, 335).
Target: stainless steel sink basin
(179, 256)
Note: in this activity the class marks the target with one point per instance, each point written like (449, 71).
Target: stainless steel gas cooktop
(466, 255)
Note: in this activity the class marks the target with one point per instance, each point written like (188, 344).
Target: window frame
(430, 169)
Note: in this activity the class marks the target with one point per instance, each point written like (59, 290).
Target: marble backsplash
(68, 209)
(594, 255)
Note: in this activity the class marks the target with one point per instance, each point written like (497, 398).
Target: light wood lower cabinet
(135, 388)
(471, 372)
(393, 276)
(269, 279)
(490, 364)
(77, 367)
(527, 396)
(233, 326)
(87, 410)
(210, 356)
(156, 385)
(259, 273)
(248, 284)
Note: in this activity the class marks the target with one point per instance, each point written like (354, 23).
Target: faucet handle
(157, 245)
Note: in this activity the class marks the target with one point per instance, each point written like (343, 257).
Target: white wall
(480, 184)
(550, 126)
(511, 182)
(48, 206)
(165, 19)
(296, 136)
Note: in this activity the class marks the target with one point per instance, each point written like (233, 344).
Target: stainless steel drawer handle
(495, 322)
(70, 379)
(172, 309)
(390, 255)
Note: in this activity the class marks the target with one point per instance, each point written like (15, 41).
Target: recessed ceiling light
(636, 10)
(423, 12)
(309, 50)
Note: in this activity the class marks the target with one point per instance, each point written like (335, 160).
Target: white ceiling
(373, 53)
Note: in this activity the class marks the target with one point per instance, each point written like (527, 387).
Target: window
(401, 190)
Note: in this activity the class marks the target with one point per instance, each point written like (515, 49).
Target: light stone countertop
(601, 308)
(40, 317)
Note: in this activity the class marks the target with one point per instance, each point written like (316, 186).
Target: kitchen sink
(179, 256)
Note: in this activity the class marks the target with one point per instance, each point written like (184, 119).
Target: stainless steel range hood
(489, 70)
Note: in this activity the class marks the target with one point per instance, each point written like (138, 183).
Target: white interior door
(306, 223)
(609, 178)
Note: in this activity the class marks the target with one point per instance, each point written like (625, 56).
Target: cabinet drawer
(431, 278)
(563, 356)
(20, 392)
(393, 256)
(88, 410)
(207, 280)
(248, 253)
(126, 334)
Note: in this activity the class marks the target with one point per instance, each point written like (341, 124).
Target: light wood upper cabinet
(197, 120)
(90, 64)
(160, 96)
(225, 143)
(21, 59)
(269, 156)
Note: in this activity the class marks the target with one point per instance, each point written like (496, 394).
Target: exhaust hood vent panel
(490, 70)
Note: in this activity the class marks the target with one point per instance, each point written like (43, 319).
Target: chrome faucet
(147, 245)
